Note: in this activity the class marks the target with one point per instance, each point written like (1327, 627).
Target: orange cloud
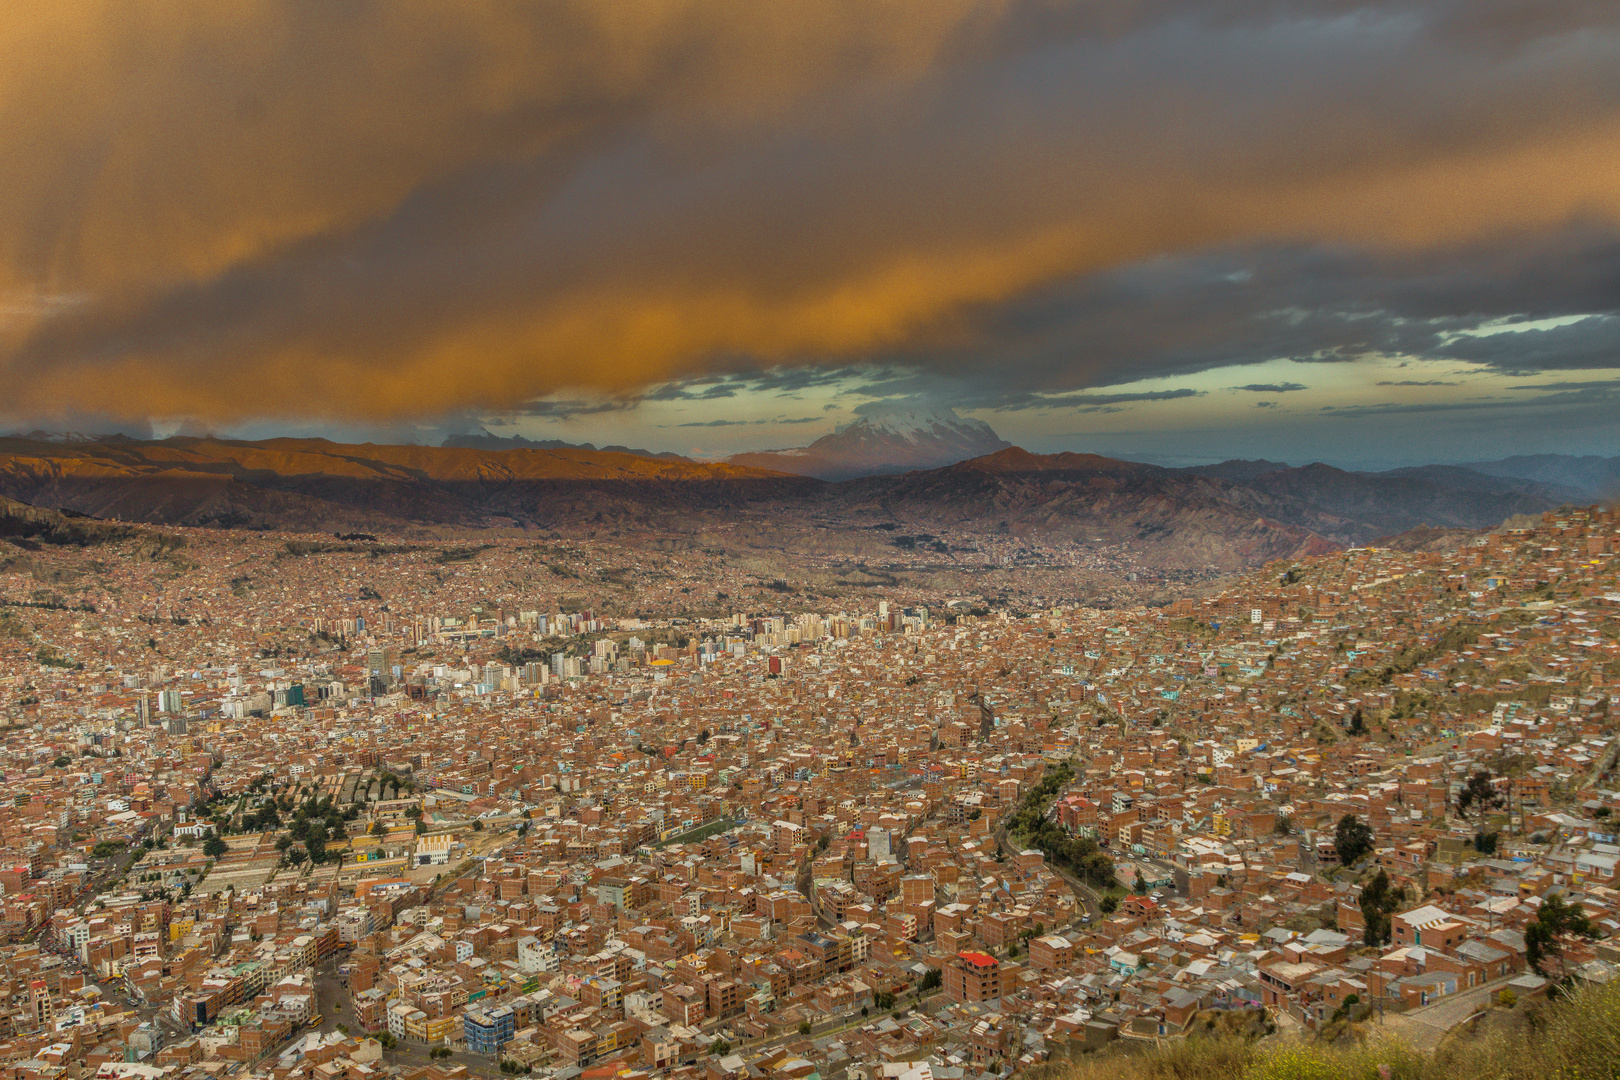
(398, 209)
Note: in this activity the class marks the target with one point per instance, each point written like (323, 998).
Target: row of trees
(1079, 854)
(1557, 923)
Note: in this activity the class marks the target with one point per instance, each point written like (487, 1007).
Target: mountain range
(897, 440)
(1594, 475)
(877, 444)
(485, 440)
(1169, 517)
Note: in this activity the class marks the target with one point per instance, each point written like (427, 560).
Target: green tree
(1378, 901)
(1139, 886)
(1544, 938)
(1478, 791)
(1485, 842)
(1352, 839)
(804, 1027)
(719, 1048)
(932, 980)
(214, 847)
(1097, 868)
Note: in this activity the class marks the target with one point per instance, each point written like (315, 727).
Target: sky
(1179, 230)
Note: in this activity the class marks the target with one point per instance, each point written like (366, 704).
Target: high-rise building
(972, 976)
(41, 1008)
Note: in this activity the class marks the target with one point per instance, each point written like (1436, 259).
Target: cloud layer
(387, 209)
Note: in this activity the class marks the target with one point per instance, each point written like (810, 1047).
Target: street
(1085, 897)
(1424, 1027)
(332, 1002)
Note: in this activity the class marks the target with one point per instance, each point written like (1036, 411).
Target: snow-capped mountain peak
(886, 441)
(913, 424)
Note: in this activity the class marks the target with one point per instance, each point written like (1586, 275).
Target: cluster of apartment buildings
(776, 843)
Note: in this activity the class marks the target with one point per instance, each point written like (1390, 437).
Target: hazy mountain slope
(1170, 520)
(1161, 516)
(1597, 476)
(302, 484)
(484, 440)
(20, 521)
(1462, 478)
(1389, 504)
(1179, 518)
(1236, 469)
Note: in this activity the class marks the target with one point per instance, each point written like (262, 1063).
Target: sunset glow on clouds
(1056, 216)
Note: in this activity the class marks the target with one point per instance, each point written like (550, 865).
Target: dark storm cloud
(1177, 316)
(676, 392)
(1272, 388)
(1597, 395)
(1590, 343)
(782, 382)
(394, 209)
(1602, 385)
(750, 423)
(793, 380)
(570, 409)
(1083, 402)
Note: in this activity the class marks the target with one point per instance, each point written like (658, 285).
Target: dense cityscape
(384, 812)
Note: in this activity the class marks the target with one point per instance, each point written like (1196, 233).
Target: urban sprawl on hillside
(317, 809)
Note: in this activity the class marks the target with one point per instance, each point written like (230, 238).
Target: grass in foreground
(1574, 1039)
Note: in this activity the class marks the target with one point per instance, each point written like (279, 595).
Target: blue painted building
(487, 1030)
